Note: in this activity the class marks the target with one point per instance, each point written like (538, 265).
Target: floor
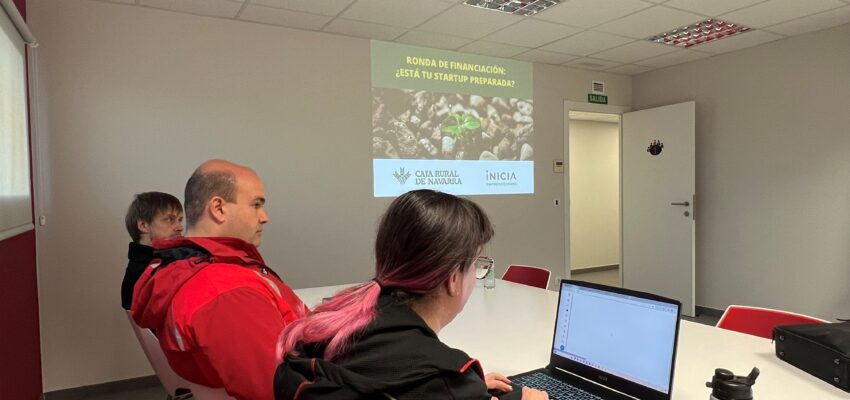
(150, 393)
(610, 277)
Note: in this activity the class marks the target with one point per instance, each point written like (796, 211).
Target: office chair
(760, 322)
(528, 275)
(176, 387)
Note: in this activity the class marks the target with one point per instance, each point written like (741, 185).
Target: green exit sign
(597, 98)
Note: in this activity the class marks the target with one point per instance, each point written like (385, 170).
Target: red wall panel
(20, 347)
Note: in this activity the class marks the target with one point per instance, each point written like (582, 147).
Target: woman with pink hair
(378, 340)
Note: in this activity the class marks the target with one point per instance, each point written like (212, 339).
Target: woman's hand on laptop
(533, 394)
(497, 381)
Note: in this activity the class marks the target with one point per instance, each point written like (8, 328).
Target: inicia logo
(401, 175)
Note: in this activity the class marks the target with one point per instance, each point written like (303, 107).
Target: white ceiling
(601, 35)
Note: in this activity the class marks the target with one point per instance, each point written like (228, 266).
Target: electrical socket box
(558, 166)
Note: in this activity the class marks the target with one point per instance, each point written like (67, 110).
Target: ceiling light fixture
(518, 7)
(698, 33)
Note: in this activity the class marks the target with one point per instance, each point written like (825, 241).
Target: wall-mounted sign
(597, 98)
(655, 147)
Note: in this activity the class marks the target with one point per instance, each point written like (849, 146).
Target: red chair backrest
(761, 321)
(528, 275)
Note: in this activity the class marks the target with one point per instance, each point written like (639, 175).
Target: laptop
(609, 344)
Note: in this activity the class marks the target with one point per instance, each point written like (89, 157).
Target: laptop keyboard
(556, 389)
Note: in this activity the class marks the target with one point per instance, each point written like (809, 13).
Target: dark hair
(202, 186)
(145, 206)
(423, 237)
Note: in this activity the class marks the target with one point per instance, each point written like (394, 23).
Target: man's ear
(217, 210)
(143, 226)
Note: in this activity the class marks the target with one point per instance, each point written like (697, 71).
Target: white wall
(133, 99)
(773, 171)
(594, 193)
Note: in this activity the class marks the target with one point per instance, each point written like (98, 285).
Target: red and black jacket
(397, 357)
(218, 311)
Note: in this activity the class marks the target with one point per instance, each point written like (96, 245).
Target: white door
(658, 195)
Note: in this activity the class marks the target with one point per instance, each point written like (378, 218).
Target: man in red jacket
(216, 307)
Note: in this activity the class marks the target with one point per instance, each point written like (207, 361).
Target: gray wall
(132, 99)
(773, 171)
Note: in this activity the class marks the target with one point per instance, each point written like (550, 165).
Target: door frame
(595, 108)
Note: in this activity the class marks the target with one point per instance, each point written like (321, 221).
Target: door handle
(684, 203)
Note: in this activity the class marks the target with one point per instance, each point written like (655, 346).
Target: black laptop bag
(822, 350)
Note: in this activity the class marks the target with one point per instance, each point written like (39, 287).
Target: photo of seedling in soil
(418, 124)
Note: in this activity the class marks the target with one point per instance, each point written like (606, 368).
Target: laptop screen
(624, 335)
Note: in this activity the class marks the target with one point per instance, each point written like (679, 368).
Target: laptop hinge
(594, 383)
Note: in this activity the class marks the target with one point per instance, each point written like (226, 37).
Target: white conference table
(509, 329)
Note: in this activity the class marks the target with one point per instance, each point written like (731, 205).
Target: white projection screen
(15, 201)
(449, 121)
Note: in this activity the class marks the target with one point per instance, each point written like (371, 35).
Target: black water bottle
(726, 386)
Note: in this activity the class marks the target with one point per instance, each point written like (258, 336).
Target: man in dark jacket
(151, 216)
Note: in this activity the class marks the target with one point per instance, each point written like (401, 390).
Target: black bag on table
(822, 350)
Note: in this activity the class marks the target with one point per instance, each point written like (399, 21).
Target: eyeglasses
(483, 265)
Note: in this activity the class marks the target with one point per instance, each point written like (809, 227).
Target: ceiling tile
(493, 49)
(677, 57)
(646, 23)
(589, 13)
(532, 33)
(629, 53)
(213, 8)
(546, 57)
(430, 39)
(405, 14)
(468, 22)
(629, 69)
(737, 42)
(711, 8)
(594, 64)
(586, 42)
(363, 29)
(277, 16)
(323, 7)
(812, 23)
(776, 11)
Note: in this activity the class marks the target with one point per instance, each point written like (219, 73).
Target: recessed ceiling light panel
(698, 33)
(518, 7)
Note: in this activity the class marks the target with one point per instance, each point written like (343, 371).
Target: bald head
(213, 178)
(224, 199)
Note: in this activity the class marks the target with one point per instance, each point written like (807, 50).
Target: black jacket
(397, 357)
(140, 256)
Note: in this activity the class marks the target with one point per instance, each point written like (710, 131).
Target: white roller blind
(15, 203)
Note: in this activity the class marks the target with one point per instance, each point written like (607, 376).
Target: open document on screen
(626, 336)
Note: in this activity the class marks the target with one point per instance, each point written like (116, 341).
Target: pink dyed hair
(423, 237)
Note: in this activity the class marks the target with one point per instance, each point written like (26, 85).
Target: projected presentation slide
(454, 122)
